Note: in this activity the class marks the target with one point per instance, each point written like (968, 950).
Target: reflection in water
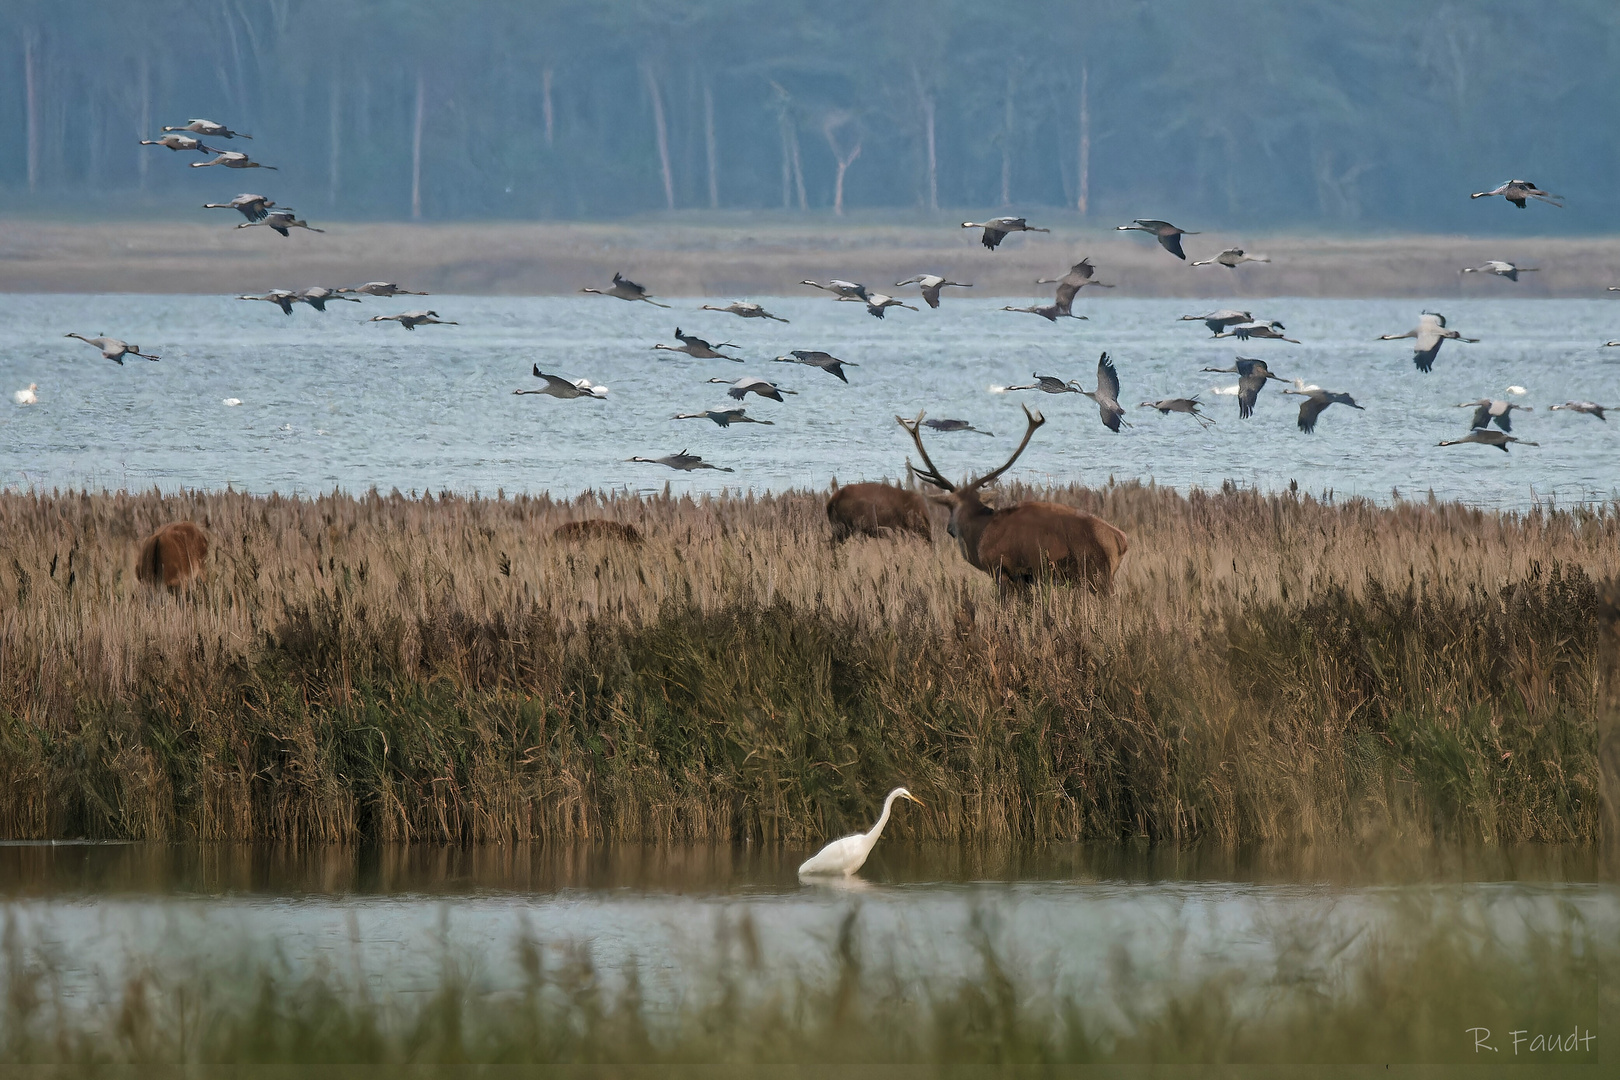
(836, 883)
(46, 869)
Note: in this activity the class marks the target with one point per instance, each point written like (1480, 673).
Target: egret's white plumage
(847, 855)
(28, 396)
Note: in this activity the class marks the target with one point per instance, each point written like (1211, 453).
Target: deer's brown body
(173, 557)
(1031, 539)
(597, 529)
(1021, 543)
(873, 509)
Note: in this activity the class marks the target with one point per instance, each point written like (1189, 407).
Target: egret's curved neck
(883, 819)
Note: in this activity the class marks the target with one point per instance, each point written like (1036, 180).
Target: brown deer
(596, 529)
(877, 510)
(1018, 544)
(173, 556)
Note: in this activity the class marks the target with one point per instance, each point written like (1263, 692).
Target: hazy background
(1260, 114)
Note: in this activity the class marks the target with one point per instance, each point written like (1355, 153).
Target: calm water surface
(1079, 919)
(335, 401)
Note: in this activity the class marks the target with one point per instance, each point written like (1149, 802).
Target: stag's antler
(933, 475)
(1035, 421)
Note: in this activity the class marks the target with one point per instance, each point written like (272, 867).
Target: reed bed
(1419, 990)
(1268, 668)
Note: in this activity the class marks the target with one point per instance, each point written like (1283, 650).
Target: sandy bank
(738, 257)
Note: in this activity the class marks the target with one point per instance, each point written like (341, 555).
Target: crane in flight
(1516, 192)
(1430, 333)
(996, 229)
(930, 284)
(625, 289)
(1168, 235)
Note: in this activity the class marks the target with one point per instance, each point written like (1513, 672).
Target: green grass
(1267, 670)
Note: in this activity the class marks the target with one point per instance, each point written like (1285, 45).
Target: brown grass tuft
(1268, 668)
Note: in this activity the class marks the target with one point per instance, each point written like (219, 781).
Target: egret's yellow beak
(916, 800)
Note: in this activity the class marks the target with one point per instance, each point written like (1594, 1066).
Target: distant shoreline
(737, 258)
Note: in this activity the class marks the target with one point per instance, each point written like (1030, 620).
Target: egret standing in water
(849, 854)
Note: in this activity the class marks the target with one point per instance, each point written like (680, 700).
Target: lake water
(335, 401)
(1095, 925)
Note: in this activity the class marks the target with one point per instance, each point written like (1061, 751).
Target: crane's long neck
(883, 818)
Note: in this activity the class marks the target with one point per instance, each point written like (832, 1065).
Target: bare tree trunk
(1007, 146)
(335, 139)
(838, 187)
(30, 76)
(239, 90)
(1083, 203)
(416, 148)
(713, 151)
(1231, 172)
(787, 164)
(933, 161)
(798, 169)
(94, 119)
(662, 132)
(925, 102)
(143, 120)
(829, 130)
(545, 106)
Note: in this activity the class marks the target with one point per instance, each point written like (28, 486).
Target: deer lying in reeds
(873, 509)
(1029, 540)
(172, 557)
(596, 529)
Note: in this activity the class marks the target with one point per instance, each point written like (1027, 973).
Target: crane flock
(1431, 332)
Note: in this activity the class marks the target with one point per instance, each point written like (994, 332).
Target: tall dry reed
(380, 667)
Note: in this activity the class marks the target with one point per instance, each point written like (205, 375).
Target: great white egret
(847, 855)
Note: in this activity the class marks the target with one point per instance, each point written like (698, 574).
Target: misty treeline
(1250, 112)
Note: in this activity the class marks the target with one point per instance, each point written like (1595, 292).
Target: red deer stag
(173, 556)
(877, 510)
(1027, 540)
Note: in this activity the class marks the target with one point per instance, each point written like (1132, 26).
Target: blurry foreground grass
(1409, 994)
